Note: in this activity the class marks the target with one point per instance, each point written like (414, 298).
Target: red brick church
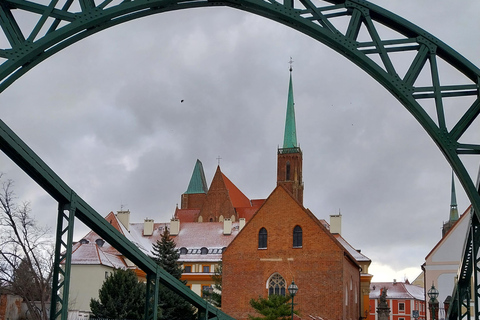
(285, 242)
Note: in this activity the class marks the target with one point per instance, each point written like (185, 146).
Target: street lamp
(433, 294)
(292, 288)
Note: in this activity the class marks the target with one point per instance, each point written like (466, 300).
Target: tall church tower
(453, 211)
(289, 158)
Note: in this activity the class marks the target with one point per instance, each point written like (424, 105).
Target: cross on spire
(291, 64)
(218, 159)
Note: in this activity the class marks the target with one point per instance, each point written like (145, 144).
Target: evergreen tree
(275, 307)
(121, 296)
(172, 306)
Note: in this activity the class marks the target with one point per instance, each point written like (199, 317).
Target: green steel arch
(353, 28)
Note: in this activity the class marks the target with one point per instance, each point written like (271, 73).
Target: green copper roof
(453, 204)
(290, 137)
(197, 184)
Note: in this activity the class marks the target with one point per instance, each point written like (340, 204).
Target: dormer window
(183, 250)
(83, 241)
(203, 250)
(100, 242)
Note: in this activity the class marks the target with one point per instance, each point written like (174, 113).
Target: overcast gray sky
(106, 115)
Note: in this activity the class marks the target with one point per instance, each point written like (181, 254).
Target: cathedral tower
(197, 189)
(289, 158)
(453, 211)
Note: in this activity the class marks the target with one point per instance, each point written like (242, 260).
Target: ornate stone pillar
(383, 310)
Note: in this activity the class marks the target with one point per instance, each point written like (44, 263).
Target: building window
(297, 237)
(206, 288)
(187, 269)
(276, 285)
(401, 307)
(287, 171)
(206, 269)
(262, 239)
(203, 250)
(183, 250)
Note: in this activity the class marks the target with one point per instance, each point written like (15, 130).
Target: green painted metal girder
(63, 255)
(26, 159)
(65, 26)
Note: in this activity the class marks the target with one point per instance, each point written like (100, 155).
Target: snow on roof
(192, 238)
(205, 234)
(203, 242)
(355, 253)
(92, 254)
(145, 243)
(397, 290)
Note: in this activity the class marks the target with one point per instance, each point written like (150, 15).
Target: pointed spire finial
(290, 135)
(453, 203)
(291, 64)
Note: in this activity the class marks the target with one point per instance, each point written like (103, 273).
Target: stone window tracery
(276, 285)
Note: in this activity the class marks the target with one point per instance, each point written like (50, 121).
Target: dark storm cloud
(107, 115)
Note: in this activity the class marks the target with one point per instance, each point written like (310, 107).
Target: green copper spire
(453, 204)
(197, 184)
(290, 137)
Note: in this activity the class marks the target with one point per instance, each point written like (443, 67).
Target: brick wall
(217, 201)
(295, 182)
(320, 267)
(193, 201)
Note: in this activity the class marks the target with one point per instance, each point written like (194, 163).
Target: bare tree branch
(26, 253)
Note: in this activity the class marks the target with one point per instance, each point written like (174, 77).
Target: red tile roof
(247, 213)
(239, 200)
(186, 215)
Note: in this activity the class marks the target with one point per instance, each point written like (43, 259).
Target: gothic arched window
(262, 239)
(276, 285)
(297, 237)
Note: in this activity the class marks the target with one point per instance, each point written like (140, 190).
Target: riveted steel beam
(66, 26)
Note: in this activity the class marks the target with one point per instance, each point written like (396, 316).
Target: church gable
(218, 202)
(279, 215)
(449, 248)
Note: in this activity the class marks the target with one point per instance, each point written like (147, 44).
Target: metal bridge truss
(429, 74)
